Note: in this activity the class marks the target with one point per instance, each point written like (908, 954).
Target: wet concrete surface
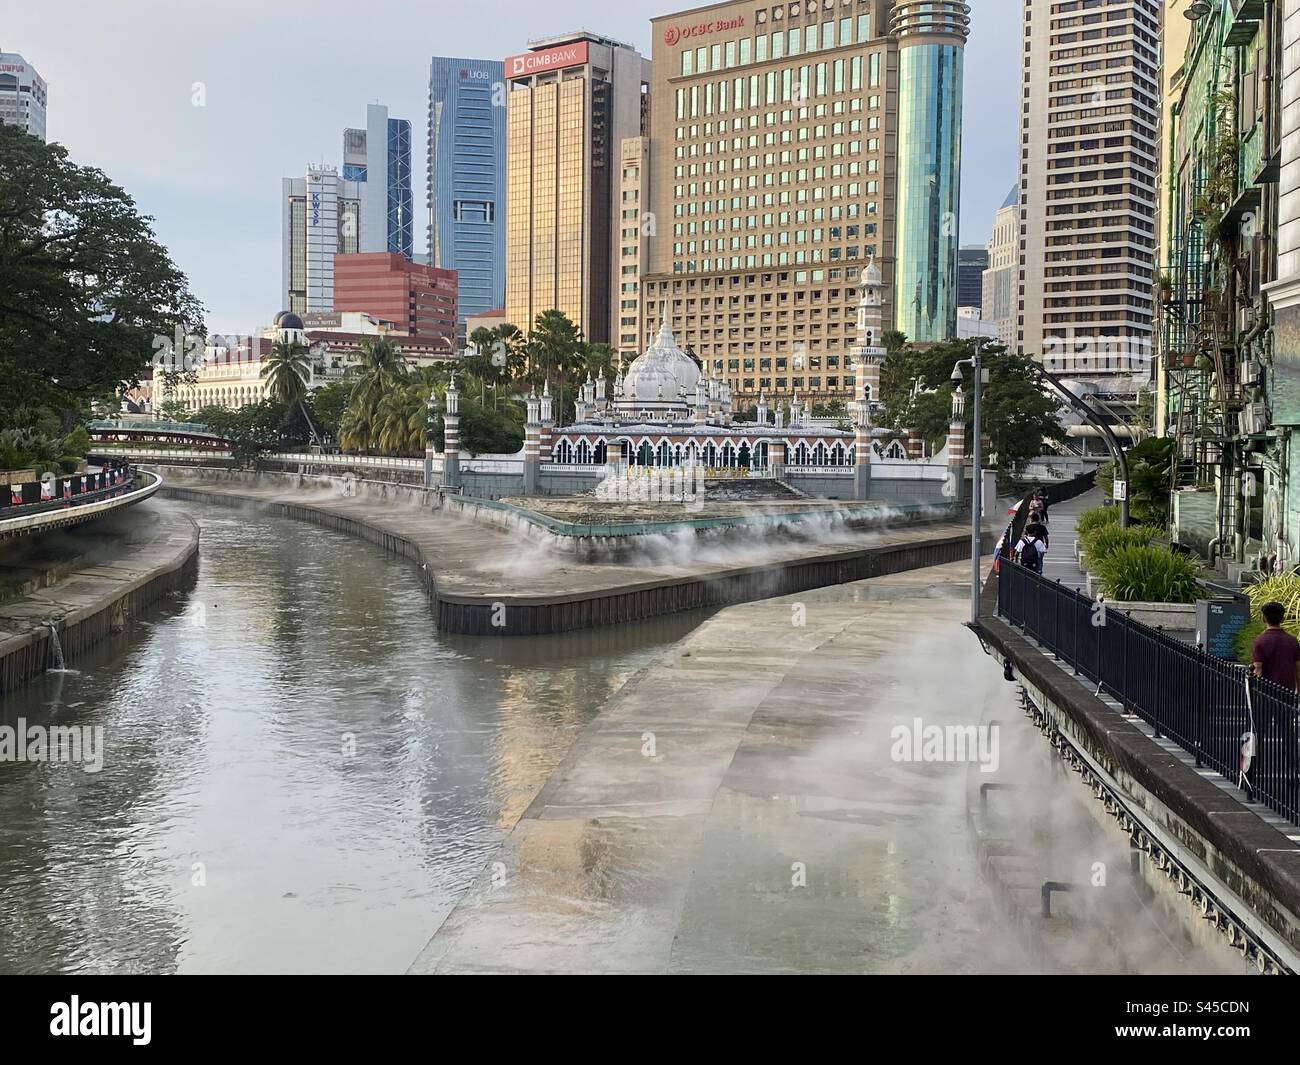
(736, 808)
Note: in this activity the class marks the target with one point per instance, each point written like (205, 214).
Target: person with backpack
(1032, 547)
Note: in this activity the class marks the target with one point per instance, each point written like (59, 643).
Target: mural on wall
(1285, 393)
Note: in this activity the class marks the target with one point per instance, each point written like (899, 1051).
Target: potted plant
(1166, 287)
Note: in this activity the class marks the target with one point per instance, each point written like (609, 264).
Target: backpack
(1029, 556)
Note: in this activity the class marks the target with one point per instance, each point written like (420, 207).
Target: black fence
(1244, 728)
(33, 497)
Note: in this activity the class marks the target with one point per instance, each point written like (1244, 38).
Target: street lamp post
(977, 481)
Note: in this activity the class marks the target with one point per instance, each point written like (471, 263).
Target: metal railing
(1244, 728)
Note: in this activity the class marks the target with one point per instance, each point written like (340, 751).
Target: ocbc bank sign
(676, 34)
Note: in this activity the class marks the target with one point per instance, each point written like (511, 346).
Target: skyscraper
(931, 40)
(467, 179)
(573, 99)
(1089, 151)
(23, 95)
(321, 217)
(378, 158)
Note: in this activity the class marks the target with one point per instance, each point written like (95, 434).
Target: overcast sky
(282, 80)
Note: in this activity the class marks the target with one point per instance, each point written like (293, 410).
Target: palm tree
(286, 370)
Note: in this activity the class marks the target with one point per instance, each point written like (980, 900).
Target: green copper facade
(931, 40)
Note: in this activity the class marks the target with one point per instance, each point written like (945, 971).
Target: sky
(280, 82)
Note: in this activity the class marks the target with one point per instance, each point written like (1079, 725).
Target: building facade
(635, 227)
(466, 170)
(998, 303)
(1089, 154)
(931, 39)
(1229, 290)
(572, 101)
(419, 300)
(775, 156)
(24, 96)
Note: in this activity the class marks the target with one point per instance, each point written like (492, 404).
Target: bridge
(134, 435)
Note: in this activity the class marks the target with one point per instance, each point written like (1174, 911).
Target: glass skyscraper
(931, 44)
(467, 178)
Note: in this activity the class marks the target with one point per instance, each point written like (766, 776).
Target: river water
(300, 774)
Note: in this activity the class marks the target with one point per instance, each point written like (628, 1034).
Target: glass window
(796, 36)
(745, 49)
(760, 48)
(688, 66)
(828, 35)
(864, 28)
(778, 44)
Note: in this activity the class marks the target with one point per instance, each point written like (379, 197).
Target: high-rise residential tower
(467, 179)
(572, 101)
(774, 152)
(23, 95)
(931, 36)
(1090, 109)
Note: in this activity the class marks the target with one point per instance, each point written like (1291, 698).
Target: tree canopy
(87, 294)
(916, 390)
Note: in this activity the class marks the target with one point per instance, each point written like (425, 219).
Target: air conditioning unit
(1250, 371)
(1245, 320)
(1253, 419)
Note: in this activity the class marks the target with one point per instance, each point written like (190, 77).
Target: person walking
(1275, 654)
(1032, 547)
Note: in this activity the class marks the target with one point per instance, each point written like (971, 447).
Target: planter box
(1175, 617)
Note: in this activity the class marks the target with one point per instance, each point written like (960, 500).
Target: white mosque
(665, 412)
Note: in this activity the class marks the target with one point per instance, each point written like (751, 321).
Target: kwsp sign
(701, 29)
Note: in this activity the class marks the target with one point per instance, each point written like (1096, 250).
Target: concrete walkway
(736, 807)
(1059, 563)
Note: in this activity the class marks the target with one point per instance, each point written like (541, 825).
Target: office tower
(772, 149)
(572, 101)
(931, 40)
(467, 179)
(972, 261)
(23, 95)
(321, 217)
(419, 300)
(1089, 149)
(998, 301)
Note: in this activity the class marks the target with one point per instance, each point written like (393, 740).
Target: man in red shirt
(1275, 654)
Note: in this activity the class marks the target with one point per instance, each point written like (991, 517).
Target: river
(300, 774)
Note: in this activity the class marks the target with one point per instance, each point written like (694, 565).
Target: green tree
(88, 297)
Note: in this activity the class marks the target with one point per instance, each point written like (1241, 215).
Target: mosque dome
(871, 275)
(662, 372)
(287, 320)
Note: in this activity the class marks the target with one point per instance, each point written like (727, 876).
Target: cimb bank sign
(539, 62)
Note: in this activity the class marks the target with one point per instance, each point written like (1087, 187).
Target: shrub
(1106, 539)
(1284, 589)
(69, 463)
(77, 442)
(1134, 573)
(1094, 518)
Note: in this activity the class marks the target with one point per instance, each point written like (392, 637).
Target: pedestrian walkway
(1059, 563)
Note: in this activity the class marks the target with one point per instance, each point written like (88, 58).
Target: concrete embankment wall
(1245, 857)
(86, 617)
(487, 613)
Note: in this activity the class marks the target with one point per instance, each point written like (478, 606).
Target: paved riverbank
(735, 807)
(488, 581)
(155, 551)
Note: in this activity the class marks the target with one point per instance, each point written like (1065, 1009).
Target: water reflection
(299, 774)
